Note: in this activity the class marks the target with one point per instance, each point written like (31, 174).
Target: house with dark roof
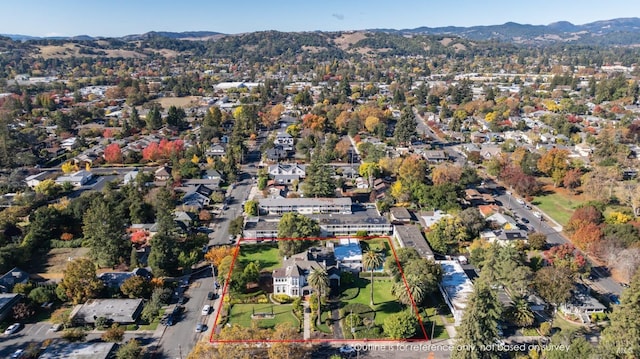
(115, 279)
(400, 214)
(291, 278)
(504, 236)
(275, 154)
(11, 278)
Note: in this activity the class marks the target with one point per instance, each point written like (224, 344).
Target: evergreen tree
(103, 230)
(622, 339)
(154, 118)
(479, 325)
(136, 122)
(405, 127)
(319, 181)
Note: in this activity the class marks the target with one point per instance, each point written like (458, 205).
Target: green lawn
(377, 244)
(557, 206)
(564, 325)
(266, 254)
(241, 314)
(385, 303)
(429, 316)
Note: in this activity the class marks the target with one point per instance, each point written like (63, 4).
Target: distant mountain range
(622, 31)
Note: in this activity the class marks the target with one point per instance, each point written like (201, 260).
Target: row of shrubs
(258, 297)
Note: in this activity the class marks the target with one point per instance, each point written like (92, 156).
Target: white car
(17, 354)
(537, 214)
(12, 328)
(206, 309)
(520, 201)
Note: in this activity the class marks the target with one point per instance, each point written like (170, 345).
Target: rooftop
(63, 349)
(118, 310)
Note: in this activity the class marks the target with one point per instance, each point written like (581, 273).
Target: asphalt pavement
(178, 340)
(601, 281)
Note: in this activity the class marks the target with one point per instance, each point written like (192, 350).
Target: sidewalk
(306, 321)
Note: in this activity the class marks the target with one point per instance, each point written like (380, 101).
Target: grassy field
(266, 254)
(558, 205)
(385, 303)
(241, 314)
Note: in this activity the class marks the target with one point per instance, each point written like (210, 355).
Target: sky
(115, 18)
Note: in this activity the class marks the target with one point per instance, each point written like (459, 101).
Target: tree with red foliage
(139, 237)
(566, 256)
(586, 236)
(107, 133)
(582, 216)
(521, 182)
(572, 179)
(151, 152)
(113, 154)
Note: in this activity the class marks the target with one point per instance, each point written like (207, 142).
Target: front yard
(240, 314)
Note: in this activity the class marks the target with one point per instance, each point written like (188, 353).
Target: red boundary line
(225, 289)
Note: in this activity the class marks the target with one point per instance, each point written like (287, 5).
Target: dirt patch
(56, 261)
(167, 102)
(313, 49)
(348, 39)
(164, 52)
(446, 41)
(73, 50)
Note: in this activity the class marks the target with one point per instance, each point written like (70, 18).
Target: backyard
(377, 244)
(266, 254)
(240, 314)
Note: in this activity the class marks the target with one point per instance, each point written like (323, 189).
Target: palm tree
(415, 288)
(371, 260)
(520, 313)
(318, 279)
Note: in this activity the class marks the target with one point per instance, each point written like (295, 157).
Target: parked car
(12, 328)
(625, 285)
(17, 354)
(217, 285)
(520, 201)
(210, 295)
(614, 299)
(200, 328)
(206, 309)
(347, 349)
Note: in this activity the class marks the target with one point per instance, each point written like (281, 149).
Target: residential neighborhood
(166, 197)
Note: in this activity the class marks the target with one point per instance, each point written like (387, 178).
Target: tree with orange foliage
(107, 133)
(586, 236)
(572, 179)
(342, 148)
(139, 237)
(445, 173)
(216, 254)
(554, 163)
(113, 154)
(582, 216)
(342, 121)
(313, 122)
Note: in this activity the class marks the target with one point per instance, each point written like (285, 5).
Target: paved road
(602, 281)
(29, 333)
(423, 129)
(179, 339)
